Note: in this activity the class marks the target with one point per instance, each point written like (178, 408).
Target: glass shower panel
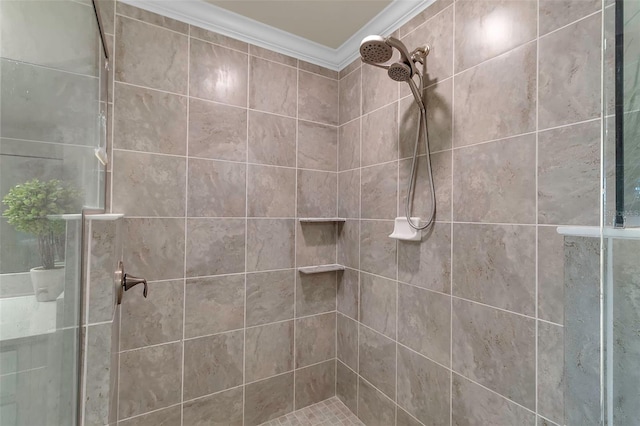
(630, 108)
(620, 322)
(52, 120)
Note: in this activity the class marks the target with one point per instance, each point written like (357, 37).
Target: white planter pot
(47, 283)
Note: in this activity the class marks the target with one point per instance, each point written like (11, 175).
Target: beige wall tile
(378, 304)
(374, 407)
(473, 403)
(481, 115)
(216, 189)
(317, 146)
(215, 246)
(496, 349)
(347, 386)
(271, 191)
(224, 408)
(317, 193)
(272, 139)
(154, 248)
(268, 350)
(423, 387)
(152, 320)
(213, 305)
(569, 69)
(270, 244)
(201, 375)
(424, 322)
(148, 184)
(268, 399)
(496, 182)
(211, 63)
(270, 296)
(164, 115)
(317, 98)
(377, 360)
(315, 294)
(150, 56)
(474, 22)
(315, 383)
(150, 379)
(272, 87)
(347, 341)
(315, 339)
(495, 265)
(217, 131)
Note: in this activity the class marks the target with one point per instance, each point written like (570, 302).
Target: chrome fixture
(376, 50)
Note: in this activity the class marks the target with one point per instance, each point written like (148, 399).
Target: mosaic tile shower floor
(330, 412)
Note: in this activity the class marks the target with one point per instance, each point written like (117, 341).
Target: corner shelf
(320, 269)
(321, 219)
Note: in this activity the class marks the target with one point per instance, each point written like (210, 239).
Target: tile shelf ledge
(320, 269)
(321, 219)
(596, 232)
(76, 216)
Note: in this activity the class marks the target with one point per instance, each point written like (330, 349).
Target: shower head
(400, 71)
(375, 50)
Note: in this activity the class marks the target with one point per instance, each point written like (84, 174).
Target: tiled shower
(219, 150)
(463, 327)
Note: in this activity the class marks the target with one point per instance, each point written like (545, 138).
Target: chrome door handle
(126, 282)
(129, 281)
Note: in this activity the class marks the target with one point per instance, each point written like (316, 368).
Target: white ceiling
(323, 32)
(327, 22)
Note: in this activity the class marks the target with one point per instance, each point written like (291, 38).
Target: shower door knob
(125, 282)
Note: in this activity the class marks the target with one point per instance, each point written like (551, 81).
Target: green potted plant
(31, 208)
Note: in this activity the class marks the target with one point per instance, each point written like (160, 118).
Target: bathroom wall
(218, 147)
(466, 327)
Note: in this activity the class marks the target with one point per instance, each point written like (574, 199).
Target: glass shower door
(52, 119)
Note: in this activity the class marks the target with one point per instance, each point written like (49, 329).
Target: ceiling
(327, 22)
(323, 32)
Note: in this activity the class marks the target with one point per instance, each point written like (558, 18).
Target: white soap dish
(403, 231)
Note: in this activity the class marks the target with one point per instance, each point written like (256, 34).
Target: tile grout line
(398, 202)
(186, 226)
(216, 160)
(359, 248)
(337, 236)
(223, 104)
(337, 240)
(537, 210)
(246, 243)
(453, 87)
(112, 78)
(295, 237)
(124, 15)
(235, 330)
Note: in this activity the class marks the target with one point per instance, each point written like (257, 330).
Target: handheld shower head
(375, 50)
(400, 71)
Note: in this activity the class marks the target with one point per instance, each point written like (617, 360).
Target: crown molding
(210, 17)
